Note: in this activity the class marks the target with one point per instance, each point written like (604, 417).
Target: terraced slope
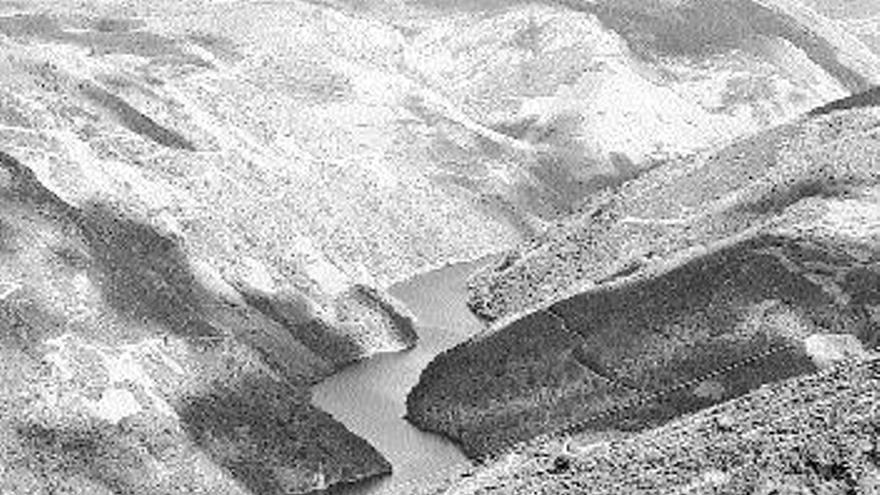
(763, 252)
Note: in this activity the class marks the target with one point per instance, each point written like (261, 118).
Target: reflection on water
(370, 397)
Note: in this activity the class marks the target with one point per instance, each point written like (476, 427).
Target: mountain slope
(763, 252)
(126, 369)
(814, 434)
(597, 92)
(203, 201)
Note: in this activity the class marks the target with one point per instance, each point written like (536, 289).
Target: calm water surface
(370, 397)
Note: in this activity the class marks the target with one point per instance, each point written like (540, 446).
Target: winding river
(370, 397)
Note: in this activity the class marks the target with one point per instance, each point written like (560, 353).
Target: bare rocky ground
(201, 203)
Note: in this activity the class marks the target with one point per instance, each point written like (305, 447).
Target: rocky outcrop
(814, 434)
(721, 270)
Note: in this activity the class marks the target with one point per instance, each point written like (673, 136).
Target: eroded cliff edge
(750, 264)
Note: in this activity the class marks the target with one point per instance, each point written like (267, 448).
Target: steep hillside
(860, 17)
(202, 202)
(296, 158)
(127, 368)
(763, 253)
(619, 227)
(815, 434)
(98, 109)
(595, 92)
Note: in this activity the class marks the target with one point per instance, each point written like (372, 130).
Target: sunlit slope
(395, 139)
(128, 367)
(596, 92)
(215, 194)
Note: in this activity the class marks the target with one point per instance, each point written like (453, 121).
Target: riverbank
(369, 397)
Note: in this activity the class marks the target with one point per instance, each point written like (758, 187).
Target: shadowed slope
(869, 98)
(730, 265)
(814, 434)
(704, 27)
(134, 120)
(143, 274)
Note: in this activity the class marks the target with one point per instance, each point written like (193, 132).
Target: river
(369, 398)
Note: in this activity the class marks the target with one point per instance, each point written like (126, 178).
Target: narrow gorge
(403, 247)
(369, 398)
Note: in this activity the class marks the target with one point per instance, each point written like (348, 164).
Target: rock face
(815, 434)
(725, 267)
